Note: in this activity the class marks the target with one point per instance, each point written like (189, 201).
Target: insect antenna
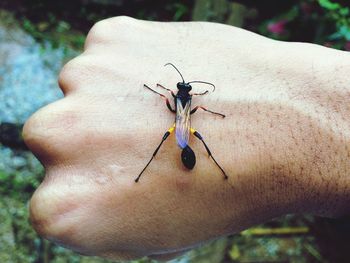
(204, 82)
(183, 81)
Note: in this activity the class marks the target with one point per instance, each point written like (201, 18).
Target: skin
(284, 143)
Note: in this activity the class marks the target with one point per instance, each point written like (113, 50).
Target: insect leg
(199, 94)
(161, 86)
(166, 99)
(195, 133)
(213, 112)
(165, 136)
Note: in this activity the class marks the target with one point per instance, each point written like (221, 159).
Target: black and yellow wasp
(182, 125)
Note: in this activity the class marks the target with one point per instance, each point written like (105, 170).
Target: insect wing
(183, 124)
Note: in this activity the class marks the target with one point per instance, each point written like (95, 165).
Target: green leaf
(329, 4)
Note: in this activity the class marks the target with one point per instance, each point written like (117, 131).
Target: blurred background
(37, 37)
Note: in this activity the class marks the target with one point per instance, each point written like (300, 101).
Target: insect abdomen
(188, 157)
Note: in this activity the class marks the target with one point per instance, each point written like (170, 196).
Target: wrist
(294, 132)
(320, 135)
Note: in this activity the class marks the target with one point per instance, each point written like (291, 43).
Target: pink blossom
(277, 27)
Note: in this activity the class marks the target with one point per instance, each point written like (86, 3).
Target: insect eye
(186, 86)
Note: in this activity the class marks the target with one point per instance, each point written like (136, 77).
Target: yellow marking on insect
(192, 130)
(172, 128)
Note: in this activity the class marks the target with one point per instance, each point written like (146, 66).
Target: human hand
(95, 141)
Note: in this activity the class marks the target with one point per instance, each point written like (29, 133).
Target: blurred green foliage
(317, 21)
(66, 22)
(340, 15)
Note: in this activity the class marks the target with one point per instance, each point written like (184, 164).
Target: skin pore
(284, 143)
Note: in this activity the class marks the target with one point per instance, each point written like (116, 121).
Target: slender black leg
(161, 86)
(195, 133)
(166, 135)
(213, 112)
(165, 98)
(199, 94)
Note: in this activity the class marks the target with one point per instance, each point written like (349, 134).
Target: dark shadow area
(333, 238)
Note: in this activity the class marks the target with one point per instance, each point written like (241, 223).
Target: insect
(182, 125)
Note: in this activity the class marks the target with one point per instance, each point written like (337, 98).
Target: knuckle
(45, 213)
(105, 31)
(65, 77)
(58, 211)
(55, 208)
(47, 131)
(123, 20)
(35, 133)
(68, 73)
(74, 73)
(100, 27)
(99, 33)
(86, 72)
